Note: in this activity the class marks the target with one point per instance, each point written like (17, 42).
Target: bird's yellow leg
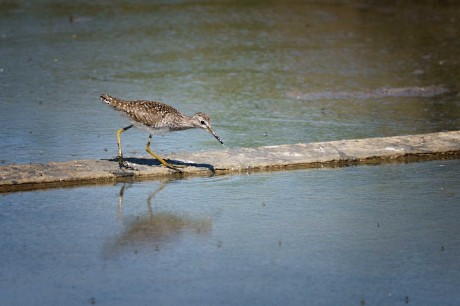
(121, 161)
(161, 160)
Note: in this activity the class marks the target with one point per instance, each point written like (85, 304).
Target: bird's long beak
(214, 134)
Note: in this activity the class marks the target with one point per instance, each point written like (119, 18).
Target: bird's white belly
(149, 129)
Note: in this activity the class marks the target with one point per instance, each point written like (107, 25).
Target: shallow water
(267, 73)
(244, 63)
(374, 235)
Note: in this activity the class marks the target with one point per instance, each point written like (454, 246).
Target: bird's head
(203, 121)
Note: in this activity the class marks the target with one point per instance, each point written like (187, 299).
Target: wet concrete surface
(343, 152)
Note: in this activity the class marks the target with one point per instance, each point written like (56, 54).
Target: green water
(245, 63)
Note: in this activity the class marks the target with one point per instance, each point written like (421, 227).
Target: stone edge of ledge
(441, 145)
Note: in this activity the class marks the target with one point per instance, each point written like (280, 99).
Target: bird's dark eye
(203, 123)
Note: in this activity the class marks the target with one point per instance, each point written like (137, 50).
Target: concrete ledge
(334, 153)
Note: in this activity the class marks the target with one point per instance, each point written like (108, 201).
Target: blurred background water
(267, 72)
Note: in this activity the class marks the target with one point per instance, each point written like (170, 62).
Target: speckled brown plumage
(155, 118)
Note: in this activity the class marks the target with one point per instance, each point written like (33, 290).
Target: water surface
(268, 73)
(374, 235)
(245, 63)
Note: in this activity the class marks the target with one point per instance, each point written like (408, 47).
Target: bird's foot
(123, 164)
(175, 167)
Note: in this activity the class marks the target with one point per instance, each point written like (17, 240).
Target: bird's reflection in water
(151, 230)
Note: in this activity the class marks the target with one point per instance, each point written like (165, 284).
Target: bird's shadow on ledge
(153, 162)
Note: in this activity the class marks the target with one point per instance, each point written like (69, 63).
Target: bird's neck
(184, 123)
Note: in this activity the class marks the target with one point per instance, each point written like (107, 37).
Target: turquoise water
(245, 63)
(373, 235)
